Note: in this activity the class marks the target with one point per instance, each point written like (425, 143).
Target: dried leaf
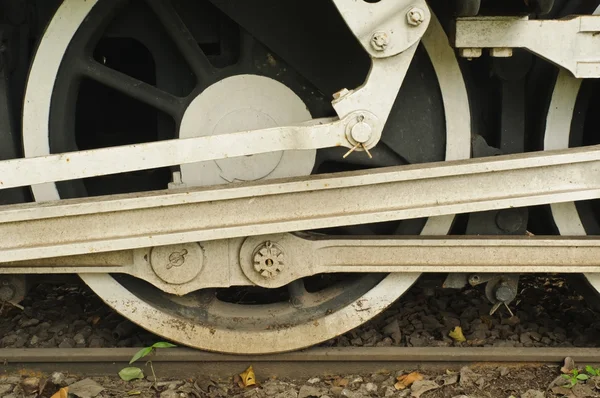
(131, 373)
(407, 379)
(340, 382)
(422, 386)
(134, 392)
(568, 366)
(62, 393)
(95, 319)
(248, 377)
(457, 335)
(86, 388)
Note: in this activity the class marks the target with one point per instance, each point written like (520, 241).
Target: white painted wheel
(191, 322)
(557, 135)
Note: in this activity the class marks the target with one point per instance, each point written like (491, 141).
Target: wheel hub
(239, 103)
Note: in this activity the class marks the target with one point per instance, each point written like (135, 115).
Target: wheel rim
(191, 331)
(558, 135)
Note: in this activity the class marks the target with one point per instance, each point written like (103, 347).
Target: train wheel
(570, 122)
(113, 72)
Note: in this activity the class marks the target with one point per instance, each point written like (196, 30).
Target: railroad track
(176, 362)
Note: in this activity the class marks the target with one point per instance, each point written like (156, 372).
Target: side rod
(118, 222)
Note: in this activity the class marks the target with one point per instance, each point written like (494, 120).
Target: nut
(268, 259)
(379, 41)
(415, 16)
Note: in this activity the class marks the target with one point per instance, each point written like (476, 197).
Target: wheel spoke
(183, 39)
(133, 88)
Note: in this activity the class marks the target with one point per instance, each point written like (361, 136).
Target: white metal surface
(184, 268)
(386, 18)
(238, 103)
(556, 136)
(201, 214)
(96, 162)
(571, 43)
(306, 257)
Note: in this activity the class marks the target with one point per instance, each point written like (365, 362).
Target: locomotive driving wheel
(114, 72)
(570, 119)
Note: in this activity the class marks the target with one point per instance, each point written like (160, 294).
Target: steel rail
(306, 363)
(137, 220)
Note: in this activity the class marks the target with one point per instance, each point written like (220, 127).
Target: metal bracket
(572, 43)
(385, 28)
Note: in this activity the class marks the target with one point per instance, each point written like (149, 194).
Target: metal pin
(497, 305)
(354, 148)
(367, 151)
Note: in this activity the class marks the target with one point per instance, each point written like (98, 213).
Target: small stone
(512, 321)
(386, 342)
(503, 370)
(10, 379)
(450, 322)
(314, 380)
(349, 394)
(310, 391)
(430, 322)
(21, 341)
(356, 342)
(30, 385)
(169, 394)
(57, 378)
(546, 341)
(336, 391)
(29, 322)
(34, 340)
(67, 343)
(5, 389)
(477, 335)
(533, 394)
(525, 338)
(535, 336)
(356, 381)
(389, 392)
(391, 328)
(9, 340)
(370, 387)
(96, 342)
(79, 340)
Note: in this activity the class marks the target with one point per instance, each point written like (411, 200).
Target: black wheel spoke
(133, 88)
(247, 42)
(183, 39)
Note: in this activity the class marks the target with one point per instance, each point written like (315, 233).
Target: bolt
(361, 131)
(379, 41)
(177, 259)
(342, 93)
(268, 260)
(470, 53)
(415, 16)
(502, 52)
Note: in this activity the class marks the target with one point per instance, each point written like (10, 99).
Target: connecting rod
(118, 222)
